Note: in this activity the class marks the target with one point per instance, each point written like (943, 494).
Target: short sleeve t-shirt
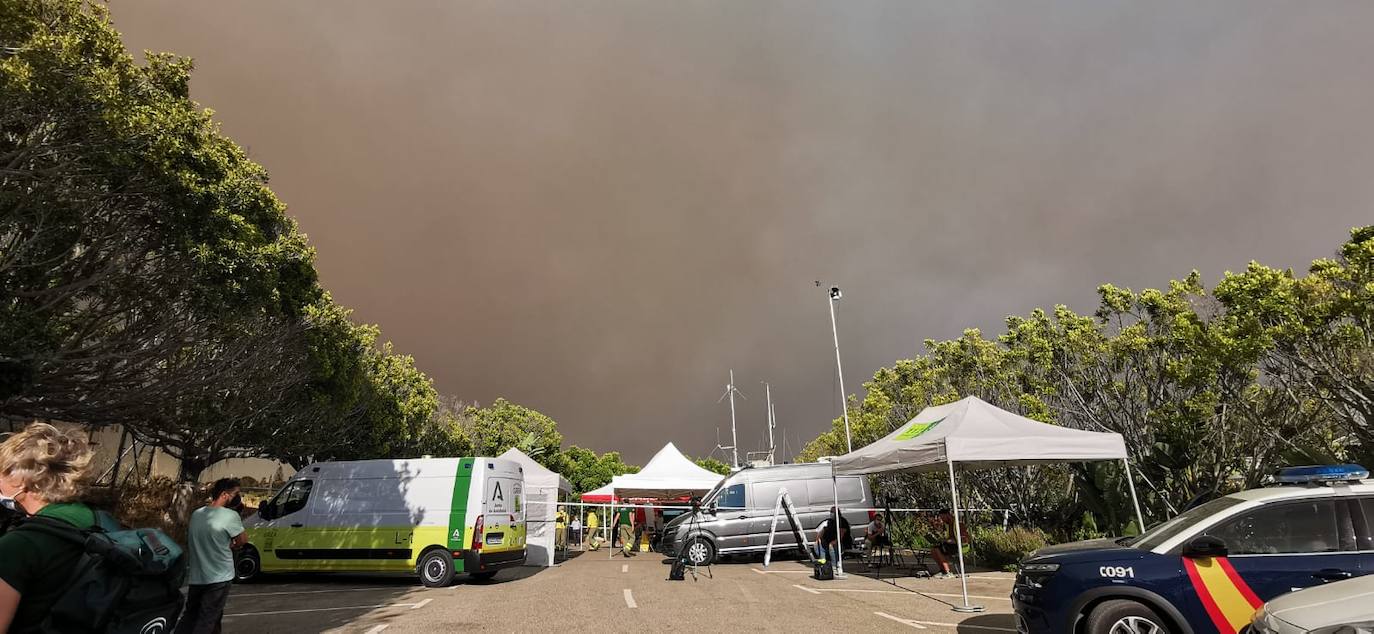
(211, 530)
(39, 565)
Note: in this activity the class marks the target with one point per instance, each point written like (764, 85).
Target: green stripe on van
(457, 516)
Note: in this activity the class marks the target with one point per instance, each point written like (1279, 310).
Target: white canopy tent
(669, 475)
(541, 499)
(975, 434)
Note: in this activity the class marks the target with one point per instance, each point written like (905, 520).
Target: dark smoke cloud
(599, 208)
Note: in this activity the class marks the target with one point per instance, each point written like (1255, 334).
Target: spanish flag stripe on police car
(1228, 599)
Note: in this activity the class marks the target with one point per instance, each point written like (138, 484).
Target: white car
(1343, 607)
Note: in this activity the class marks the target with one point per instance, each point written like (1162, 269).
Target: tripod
(684, 560)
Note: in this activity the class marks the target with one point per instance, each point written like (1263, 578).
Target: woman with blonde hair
(42, 473)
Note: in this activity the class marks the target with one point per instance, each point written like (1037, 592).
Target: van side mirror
(1204, 546)
(711, 508)
(267, 511)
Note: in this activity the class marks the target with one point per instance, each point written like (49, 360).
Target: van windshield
(715, 492)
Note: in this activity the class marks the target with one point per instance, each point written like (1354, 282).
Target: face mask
(9, 502)
(236, 503)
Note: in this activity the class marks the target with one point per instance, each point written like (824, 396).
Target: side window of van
(294, 497)
(732, 497)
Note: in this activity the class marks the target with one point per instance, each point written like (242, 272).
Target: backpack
(126, 581)
(823, 571)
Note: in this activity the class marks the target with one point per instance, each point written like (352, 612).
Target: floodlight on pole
(835, 296)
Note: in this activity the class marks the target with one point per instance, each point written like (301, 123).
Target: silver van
(735, 516)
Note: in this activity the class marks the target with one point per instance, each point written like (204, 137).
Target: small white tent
(541, 498)
(972, 434)
(668, 475)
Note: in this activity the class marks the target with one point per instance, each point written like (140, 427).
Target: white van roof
(405, 468)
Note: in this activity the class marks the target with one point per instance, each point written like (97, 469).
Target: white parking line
(346, 607)
(273, 594)
(626, 567)
(426, 601)
(379, 629)
(630, 599)
(921, 625)
(781, 572)
(913, 593)
(900, 620)
(806, 588)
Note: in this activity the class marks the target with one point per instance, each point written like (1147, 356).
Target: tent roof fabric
(669, 474)
(600, 496)
(537, 475)
(973, 433)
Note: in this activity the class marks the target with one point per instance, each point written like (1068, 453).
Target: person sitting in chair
(945, 547)
(877, 538)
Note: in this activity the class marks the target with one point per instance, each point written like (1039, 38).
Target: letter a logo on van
(496, 493)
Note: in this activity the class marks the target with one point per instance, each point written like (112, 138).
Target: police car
(1210, 568)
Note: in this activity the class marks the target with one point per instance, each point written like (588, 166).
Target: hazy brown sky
(598, 208)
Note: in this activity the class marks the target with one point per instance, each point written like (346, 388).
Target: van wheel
(248, 566)
(436, 569)
(484, 576)
(701, 552)
(1121, 616)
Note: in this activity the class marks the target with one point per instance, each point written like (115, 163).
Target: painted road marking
(912, 593)
(347, 607)
(426, 601)
(805, 588)
(781, 572)
(900, 620)
(921, 625)
(630, 600)
(273, 594)
(378, 630)
(626, 567)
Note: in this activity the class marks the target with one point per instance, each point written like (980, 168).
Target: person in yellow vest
(592, 524)
(560, 528)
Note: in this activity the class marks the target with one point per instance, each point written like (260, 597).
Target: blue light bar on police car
(1321, 473)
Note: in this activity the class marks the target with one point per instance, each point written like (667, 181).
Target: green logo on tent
(916, 429)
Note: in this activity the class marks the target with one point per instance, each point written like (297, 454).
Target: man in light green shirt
(216, 531)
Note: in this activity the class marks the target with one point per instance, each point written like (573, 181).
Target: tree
(714, 466)
(491, 430)
(587, 471)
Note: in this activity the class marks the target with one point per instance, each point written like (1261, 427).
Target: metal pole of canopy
(959, 541)
(1130, 481)
(839, 543)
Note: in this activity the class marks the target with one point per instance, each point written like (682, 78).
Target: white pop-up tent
(669, 475)
(974, 434)
(541, 499)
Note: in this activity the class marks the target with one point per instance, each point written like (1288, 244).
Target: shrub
(996, 548)
(913, 531)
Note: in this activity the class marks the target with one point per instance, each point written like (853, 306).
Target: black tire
(484, 576)
(1121, 616)
(248, 565)
(436, 569)
(700, 551)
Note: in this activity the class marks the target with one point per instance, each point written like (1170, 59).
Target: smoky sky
(597, 209)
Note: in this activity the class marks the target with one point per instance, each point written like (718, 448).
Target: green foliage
(996, 548)
(587, 471)
(714, 466)
(1211, 390)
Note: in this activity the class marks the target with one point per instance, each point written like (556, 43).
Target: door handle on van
(742, 517)
(1332, 574)
(297, 525)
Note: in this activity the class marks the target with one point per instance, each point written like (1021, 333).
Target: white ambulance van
(435, 517)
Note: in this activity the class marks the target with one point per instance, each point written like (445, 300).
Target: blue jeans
(829, 554)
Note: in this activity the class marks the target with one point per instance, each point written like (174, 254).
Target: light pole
(835, 296)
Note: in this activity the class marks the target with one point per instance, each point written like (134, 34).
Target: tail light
(477, 529)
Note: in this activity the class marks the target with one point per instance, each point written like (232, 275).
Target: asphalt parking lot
(591, 591)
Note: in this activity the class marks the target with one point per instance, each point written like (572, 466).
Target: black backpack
(126, 581)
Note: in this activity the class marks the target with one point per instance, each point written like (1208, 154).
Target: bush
(913, 531)
(1003, 549)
